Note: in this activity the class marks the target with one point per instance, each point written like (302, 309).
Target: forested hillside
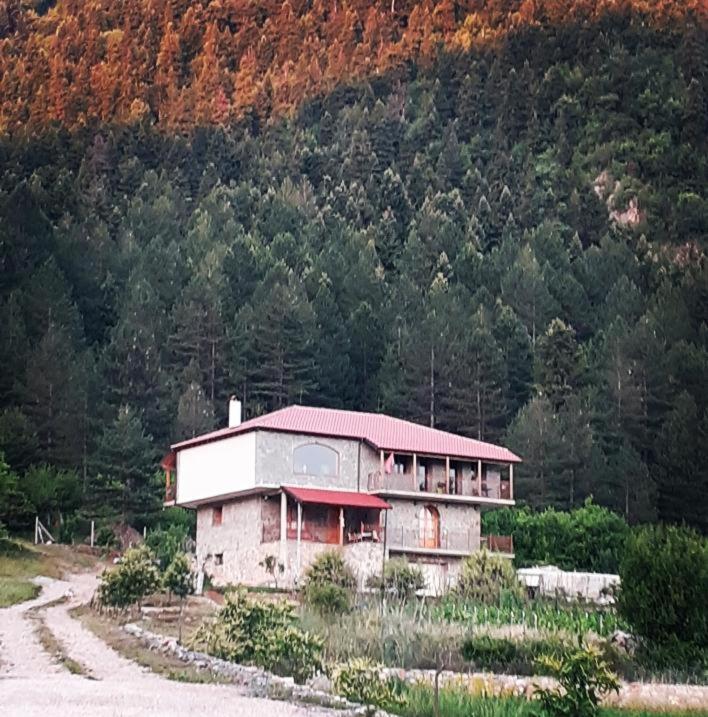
(489, 218)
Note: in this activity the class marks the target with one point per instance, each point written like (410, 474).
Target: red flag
(388, 465)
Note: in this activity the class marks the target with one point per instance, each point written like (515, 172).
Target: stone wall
(250, 530)
(274, 461)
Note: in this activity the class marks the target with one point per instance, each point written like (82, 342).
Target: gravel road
(32, 684)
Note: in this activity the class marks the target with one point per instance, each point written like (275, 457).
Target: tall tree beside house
(124, 483)
(279, 328)
(195, 412)
(559, 364)
(682, 453)
(535, 434)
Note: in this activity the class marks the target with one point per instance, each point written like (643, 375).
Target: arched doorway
(429, 527)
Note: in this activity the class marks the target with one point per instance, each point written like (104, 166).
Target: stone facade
(250, 528)
(274, 461)
(231, 552)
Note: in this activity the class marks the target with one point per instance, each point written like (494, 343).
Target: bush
(262, 634)
(590, 538)
(485, 578)
(664, 583)
(107, 539)
(329, 583)
(499, 654)
(401, 580)
(583, 676)
(360, 680)
(131, 581)
(166, 543)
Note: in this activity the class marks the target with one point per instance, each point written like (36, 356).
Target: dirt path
(32, 684)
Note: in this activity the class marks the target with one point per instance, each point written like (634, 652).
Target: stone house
(298, 481)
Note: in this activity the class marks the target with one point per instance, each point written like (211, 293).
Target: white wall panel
(217, 468)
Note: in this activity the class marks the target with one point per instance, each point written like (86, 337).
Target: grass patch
(21, 561)
(15, 590)
(460, 702)
(132, 649)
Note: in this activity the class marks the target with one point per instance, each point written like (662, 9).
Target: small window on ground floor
(219, 559)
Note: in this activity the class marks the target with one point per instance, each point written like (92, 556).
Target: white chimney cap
(234, 412)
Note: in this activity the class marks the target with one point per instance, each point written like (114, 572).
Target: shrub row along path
(32, 683)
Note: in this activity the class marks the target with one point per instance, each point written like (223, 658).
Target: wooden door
(429, 527)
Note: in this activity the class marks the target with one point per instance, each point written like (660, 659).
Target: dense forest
(489, 218)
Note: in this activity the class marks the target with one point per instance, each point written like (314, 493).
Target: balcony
(452, 542)
(467, 487)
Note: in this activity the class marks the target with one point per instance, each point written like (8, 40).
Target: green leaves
(584, 678)
(264, 634)
(135, 578)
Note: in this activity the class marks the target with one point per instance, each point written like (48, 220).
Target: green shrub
(401, 580)
(664, 583)
(486, 578)
(106, 539)
(583, 676)
(329, 583)
(166, 543)
(265, 634)
(360, 680)
(135, 577)
(500, 654)
(590, 538)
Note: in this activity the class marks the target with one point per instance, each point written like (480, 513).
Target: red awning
(342, 498)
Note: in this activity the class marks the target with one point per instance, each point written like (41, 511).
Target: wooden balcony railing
(412, 539)
(170, 493)
(354, 533)
(498, 543)
(464, 487)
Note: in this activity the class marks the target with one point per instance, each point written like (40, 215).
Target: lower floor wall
(236, 539)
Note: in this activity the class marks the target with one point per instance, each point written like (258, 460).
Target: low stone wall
(260, 683)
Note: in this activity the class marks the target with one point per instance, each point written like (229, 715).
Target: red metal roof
(380, 431)
(343, 498)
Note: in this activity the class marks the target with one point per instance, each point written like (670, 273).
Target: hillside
(179, 63)
(490, 218)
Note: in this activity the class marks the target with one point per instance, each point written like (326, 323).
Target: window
(219, 559)
(429, 527)
(314, 459)
(217, 514)
(423, 473)
(399, 467)
(452, 488)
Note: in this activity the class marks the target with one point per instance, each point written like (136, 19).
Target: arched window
(314, 459)
(429, 527)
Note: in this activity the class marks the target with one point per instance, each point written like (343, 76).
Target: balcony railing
(171, 493)
(413, 539)
(467, 487)
(457, 541)
(498, 543)
(354, 533)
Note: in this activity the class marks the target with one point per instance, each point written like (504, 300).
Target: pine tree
(559, 363)
(124, 481)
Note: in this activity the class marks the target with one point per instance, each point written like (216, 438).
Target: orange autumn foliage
(186, 63)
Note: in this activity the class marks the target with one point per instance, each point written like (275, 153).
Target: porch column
(415, 472)
(284, 529)
(511, 481)
(341, 526)
(479, 478)
(299, 538)
(447, 474)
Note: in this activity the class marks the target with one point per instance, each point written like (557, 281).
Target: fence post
(93, 532)
(36, 529)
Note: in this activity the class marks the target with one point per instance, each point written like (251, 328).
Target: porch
(436, 475)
